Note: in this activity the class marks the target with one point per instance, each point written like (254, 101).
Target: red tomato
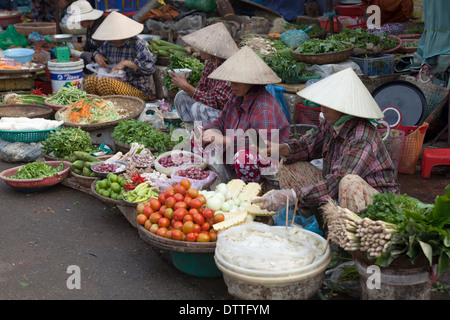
(195, 203)
(168, 213)
(179, 214)
(206, 226)
(208, 213)
(154, 228)
(213, 235)
(147, 211)
(162, 209)
(191, 237)
(168, 234)
(164, 222)
(178, 225)
(180, 204)
(169, 192)
(155, 216)
(147, 224)
(170, 202)
(203, 237)
(178, 197)
(187, 217)
(193, 193)
(197, 228)
(161, 232)
(177, 234)
(185, 183)
(180, 189)
(187, 199)
(218, 218)
(201, 198)
(140, 207)
(188, 227)
(162, 198)
(198, 218)
(141, 218)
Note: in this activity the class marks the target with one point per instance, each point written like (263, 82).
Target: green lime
(112, 177)
(106, 193)
(101, 184)
(116, 187)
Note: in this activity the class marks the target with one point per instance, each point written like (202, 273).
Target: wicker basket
(25, 110)
(324, 58)
(132, 108)
(395, 48)
(404, 49)
(53, 106)
(25, 136)
(83, 180)
(47, 28)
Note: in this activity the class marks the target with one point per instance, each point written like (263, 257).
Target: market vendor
(250, 106)
(356, 164)
(206, 101)
(394, 15)
(131, 60)
(89, 18)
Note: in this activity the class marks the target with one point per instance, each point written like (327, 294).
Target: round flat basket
(129, 107)
(324, 58)
(47, 28)
(109, 200)
(33, 185)
(25, 110)
(404, 49)
(83, 180)
(175, 245)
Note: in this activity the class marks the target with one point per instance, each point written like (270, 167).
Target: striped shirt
(136, 50)
(214, 93)
(356, 149)
(260, 110)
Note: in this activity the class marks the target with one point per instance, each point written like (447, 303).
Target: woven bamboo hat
(214, 40)
(83, 11)
(245, 66)
(343, 91)
(117, 26)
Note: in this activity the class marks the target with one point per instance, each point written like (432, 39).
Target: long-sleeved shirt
(136, 50)
(260, 110)
(355, 149)
(214, 93)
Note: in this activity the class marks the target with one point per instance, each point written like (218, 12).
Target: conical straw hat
(82, 10)
(117, 26)
(245, 66)
(214, 40)
(344, 92)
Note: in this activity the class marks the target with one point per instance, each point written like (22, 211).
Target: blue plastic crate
(379, 66)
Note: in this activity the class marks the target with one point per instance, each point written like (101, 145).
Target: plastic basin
(23, 55)
(195, 264)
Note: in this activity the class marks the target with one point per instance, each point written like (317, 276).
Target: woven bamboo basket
(83, 180)
(131, 107)
(324, 58)
(25, 110)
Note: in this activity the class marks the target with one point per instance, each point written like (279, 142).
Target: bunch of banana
(141, 193)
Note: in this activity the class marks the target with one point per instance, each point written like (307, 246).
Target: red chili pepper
(37, 92)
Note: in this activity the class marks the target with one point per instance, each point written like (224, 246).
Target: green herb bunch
(63, 142)
(177, 61)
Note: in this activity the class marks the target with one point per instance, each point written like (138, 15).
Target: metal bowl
(105, 174)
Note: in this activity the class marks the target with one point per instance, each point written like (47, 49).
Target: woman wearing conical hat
(250, 113)
(205, 101)
(124, 51)
(356, 165)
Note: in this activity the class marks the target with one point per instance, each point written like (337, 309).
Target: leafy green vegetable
(63, 142)
(132, 130)
(359, 37)
(177, 61)
(36, 170)
(287, 68)
(315, 46)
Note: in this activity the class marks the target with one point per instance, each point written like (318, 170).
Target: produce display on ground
(82, 164)
(316, 46)
(36, 170)
(394, 226)
(66, 95)
(31, 98)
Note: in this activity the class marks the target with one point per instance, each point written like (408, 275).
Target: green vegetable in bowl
(177, 61)
(36, 170)
(316, 46)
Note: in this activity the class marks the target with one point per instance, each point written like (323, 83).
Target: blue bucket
(195, 264)
(19, 54)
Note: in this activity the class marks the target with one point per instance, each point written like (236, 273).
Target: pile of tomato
(179, 213)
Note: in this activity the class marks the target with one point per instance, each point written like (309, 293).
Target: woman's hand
(274, 148)
(276, 200)
(101, 60)
(122, 65)
(213, 135)
(178, 81)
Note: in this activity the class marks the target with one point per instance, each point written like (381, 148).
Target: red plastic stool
(434, 157)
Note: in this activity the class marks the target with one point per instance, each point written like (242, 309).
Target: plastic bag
(119, 75)
(10, 37)
(277, 93)
(307, 223)
(152, 115)
(19, 151)
(196, 184)
(295, 37)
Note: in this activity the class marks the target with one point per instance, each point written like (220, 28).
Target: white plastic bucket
(65, 73)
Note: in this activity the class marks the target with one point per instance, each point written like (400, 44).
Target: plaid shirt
(260, 110)
(214, 93)
(356, 149)
(136, 50)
